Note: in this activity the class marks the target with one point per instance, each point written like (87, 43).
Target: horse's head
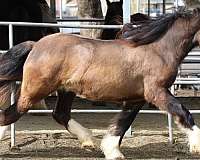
(114, 16)
(114, 10)
(191, 19)
(195, 21)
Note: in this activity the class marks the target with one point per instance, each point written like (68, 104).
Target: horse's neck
(176, 44)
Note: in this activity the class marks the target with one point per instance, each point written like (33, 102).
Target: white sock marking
(110, 147)
(83, 134)
(194, 139)
(3, 130)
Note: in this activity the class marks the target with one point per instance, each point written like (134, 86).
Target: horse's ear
(121, 1)
(108, 2)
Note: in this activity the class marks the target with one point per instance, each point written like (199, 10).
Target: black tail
(11, 68)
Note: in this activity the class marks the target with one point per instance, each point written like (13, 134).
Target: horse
(114, 16)
(36, 11)
(139, 68)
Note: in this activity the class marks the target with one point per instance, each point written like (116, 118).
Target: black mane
(153, 29)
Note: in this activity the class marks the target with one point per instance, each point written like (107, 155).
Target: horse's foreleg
(62, 115)
(163, 99)
(112, 140)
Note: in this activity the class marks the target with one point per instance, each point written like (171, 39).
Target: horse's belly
(111, 91)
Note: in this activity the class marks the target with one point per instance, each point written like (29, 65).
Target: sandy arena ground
(40, 137)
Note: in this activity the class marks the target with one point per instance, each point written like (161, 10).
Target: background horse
(114, 16)
(137, 69)
(25, 11)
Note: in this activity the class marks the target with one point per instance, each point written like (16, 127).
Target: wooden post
(164, 6)
(149, 7)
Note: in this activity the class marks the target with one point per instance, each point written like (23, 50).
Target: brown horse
(137, 69)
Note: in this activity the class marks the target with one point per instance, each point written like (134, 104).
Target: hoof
(194, 140)
(88, 144)
(115, 155)
(119, 158)
(195, 149)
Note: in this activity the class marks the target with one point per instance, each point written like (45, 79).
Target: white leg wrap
(3, 130)
(194, 139)
(110, 147)
(83, 134)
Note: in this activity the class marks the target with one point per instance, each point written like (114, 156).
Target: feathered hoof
(110, 148)
(194, 140)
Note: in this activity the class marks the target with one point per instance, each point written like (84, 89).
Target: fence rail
(30, 24)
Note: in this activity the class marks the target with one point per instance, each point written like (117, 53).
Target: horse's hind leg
(112, 140)
(3, 106)
(163, 99)
(13, 113)
(62, 115)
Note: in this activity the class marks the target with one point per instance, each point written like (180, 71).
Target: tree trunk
(90, 9)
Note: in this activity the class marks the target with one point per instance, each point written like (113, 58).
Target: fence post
(126, 11)
(127, 19)
(169, 116)
(12, 130)
(60, 10)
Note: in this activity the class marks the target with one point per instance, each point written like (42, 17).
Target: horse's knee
(163, 99)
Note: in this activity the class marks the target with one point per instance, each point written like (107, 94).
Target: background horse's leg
(112, 140)
(163, 99)
(62, 114)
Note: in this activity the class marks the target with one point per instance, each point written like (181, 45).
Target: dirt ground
(40, 137)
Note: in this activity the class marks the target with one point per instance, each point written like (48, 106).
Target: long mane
(151, 30)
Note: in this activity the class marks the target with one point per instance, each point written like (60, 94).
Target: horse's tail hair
(11, 69)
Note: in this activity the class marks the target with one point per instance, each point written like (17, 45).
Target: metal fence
(178, 80)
